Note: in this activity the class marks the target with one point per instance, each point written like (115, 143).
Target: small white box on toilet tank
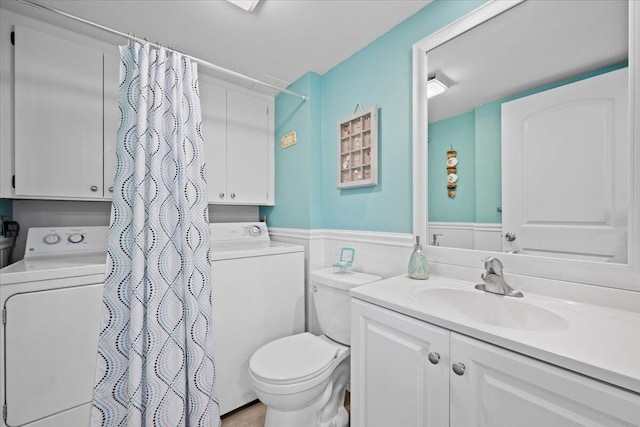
(332, 301)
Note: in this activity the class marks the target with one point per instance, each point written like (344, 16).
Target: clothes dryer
(51, 313)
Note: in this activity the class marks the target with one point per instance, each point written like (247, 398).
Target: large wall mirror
(527, 111)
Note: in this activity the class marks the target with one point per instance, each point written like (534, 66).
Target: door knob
(458, 368)
(222, 195)
(110, 189)
(94, 188)
(434, 358)
(233, 195)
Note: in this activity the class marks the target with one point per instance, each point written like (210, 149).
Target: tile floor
(253, 415)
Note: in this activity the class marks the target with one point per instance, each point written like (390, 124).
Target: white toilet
(302, 378)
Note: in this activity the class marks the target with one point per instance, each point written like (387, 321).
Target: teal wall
(6, 208)
(297, 177)
(456, 133)
(379, 74)
(480, 173)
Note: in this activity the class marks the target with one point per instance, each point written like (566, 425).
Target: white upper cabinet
(111, 118)
(58, 117)
(67, 118)
(238, 135)
(247, 149)
(213, 103)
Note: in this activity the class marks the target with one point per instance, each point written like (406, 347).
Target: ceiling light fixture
(435, 86)
(248, 5)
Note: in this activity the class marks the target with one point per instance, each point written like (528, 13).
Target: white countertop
(596, 341)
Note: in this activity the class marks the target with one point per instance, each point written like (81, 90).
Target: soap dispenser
(418, 267)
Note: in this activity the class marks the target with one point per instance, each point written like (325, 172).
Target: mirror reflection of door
(508, 58)
(565, 170)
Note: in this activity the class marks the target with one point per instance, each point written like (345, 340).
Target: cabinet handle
(94, 188)
(458, 368)
(434, 358)
(110, 189)
(222, 195)
(233, 195)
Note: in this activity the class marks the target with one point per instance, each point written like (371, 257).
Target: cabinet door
(500, 388)
(247, 149)
(393, 383)
(111, 118)
(58, 117)
(213, 103)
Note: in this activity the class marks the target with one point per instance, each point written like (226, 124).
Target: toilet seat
(293, 359)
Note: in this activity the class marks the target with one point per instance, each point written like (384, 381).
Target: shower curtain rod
(130, 37)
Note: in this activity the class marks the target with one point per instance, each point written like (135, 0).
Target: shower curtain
(155, 358)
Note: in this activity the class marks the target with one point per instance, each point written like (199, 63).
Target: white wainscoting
(467, 235)
(384, 254)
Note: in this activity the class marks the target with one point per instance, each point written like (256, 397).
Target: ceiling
(534, 44)
(279, 42)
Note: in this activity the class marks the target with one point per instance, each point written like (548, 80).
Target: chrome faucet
(494, 280)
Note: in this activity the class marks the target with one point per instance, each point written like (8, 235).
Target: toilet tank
(332, 301)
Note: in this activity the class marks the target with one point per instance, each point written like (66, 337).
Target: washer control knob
(256, 230)
(75, 238)
(51, 238)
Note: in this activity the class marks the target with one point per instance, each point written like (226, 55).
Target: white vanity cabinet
(394, 383)
(238, 134)
(58, 117)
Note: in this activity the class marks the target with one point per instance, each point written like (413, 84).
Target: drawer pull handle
(458, 368)
(434, 358)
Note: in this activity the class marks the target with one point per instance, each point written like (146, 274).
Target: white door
(213, 102)
(50, 353)
(393, 381)
(247, 148)
(565, 169)
(58, 117)
(499, 388)
(111, 118)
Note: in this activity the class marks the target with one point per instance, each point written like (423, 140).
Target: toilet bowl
(302, 378)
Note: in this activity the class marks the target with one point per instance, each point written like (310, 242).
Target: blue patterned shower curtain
(155, 357)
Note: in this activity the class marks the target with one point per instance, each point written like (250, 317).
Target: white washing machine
(258, 296)
(51, 313)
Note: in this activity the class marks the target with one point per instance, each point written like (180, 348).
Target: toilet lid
(292, 359)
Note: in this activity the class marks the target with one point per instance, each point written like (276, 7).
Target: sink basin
(490, 309)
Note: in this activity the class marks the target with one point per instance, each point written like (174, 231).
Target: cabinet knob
(233, 195)
(222, 195)
(94, 188)
(434, 357)
(110, 189)
(458, 368)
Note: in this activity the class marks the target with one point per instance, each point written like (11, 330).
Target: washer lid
(327, 277)
(292, 359)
